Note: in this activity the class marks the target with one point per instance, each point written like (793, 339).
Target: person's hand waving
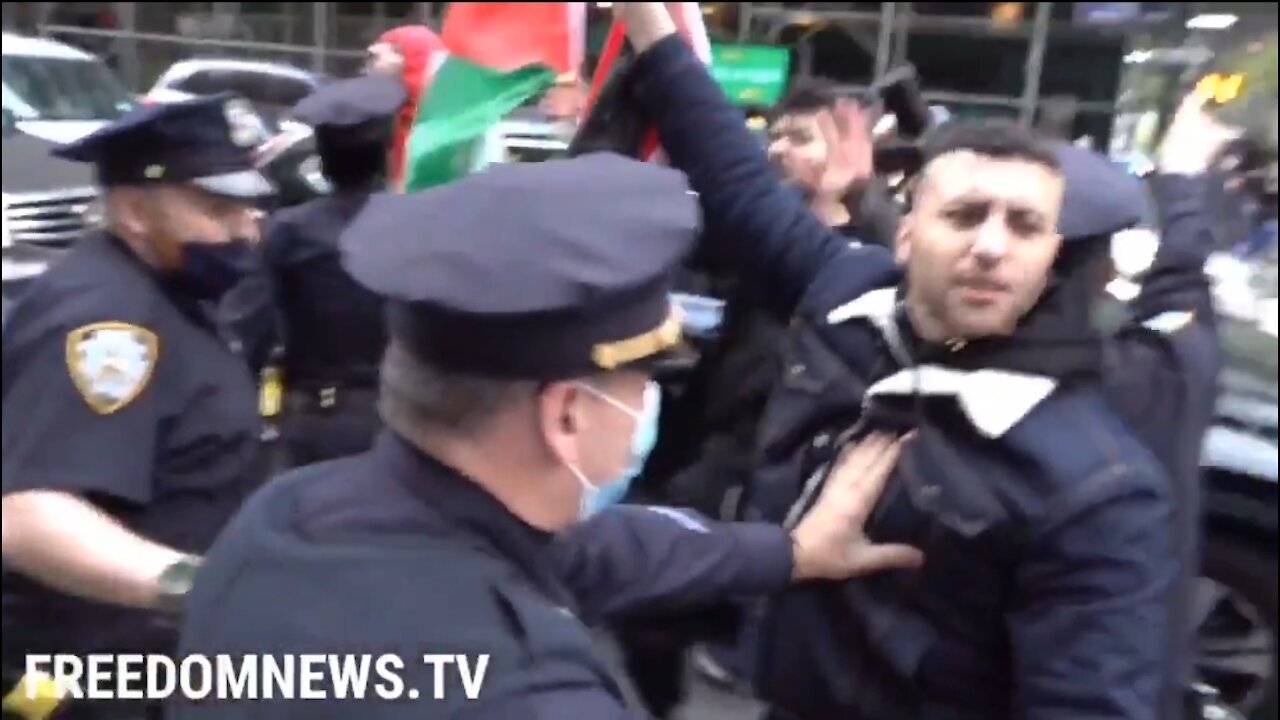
(1194, 139)
(849, 150)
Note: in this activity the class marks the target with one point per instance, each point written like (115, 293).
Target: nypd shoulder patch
(111, 363)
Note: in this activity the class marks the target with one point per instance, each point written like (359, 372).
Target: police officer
(333, 329)
(130, 428)
(527, 306)
(1162, 363)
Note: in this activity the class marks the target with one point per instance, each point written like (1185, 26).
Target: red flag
(509, 36)
(690, 25)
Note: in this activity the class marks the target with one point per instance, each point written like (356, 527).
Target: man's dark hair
(808, 95)
(999, 139)
(354, 161)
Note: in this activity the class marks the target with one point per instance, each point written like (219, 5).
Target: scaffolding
(327, 37)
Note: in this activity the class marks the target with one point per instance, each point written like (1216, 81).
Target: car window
(44, 88)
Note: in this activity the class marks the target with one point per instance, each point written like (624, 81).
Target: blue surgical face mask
(597, 497)
(209, 270)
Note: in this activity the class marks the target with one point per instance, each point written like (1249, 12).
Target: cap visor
(243, 184)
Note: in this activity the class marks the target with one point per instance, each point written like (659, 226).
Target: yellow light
(1230, 87)
(1220, 88)
(1008, 12)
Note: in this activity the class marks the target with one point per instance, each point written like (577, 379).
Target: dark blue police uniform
(1161, 365)
(1044, 522)
(538, 272)
(331, 327)
(120, 389)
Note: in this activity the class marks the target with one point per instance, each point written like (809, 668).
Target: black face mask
(209, 270)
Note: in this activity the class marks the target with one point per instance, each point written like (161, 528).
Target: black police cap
(206, 141)
(353, 112)
(540, 271)
(1101, 198)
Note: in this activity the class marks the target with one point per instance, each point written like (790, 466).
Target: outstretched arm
(753, 221)
(646, 559)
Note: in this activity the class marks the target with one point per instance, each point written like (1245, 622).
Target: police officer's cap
(1101, 198)
(356, 111)
(207, 141)
(540, 271)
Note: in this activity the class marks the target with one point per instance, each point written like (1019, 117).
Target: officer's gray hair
(415, 397)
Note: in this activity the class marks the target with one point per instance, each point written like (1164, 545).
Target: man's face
(799, 149)
(166, 217)
(190, 214)
(979, 243)
(385, 58)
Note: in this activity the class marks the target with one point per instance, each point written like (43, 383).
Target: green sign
(751, 74)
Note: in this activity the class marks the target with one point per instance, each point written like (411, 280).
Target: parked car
(271, 88)
(1238, 599)
(1236, 604)
(59, 93)
(46, 202)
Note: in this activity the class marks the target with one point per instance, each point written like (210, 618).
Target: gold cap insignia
(111, 363)
(613, 355)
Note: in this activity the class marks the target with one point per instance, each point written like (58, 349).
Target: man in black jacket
(1046, 521)
(821, 146)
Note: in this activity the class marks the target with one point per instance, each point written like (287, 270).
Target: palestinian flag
(500, 56)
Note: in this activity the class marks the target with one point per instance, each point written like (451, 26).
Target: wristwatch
(175, 582)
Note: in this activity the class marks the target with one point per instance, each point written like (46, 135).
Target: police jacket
(332, 328)
(119, 388)
(1045, 523)
(731, 385)
(1161, 370)
(392, 552)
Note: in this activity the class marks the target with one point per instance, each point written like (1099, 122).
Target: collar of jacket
(994, 400)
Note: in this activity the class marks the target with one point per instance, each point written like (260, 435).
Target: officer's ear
(559, 409)
(125, 211)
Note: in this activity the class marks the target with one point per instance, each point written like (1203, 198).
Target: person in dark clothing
(821, 147)
(1161, 364)
(130, 434)
(802, 145)
(1046, 521)
(518, 409)
(331, 328)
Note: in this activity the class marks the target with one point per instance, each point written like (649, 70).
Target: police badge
(111, 363)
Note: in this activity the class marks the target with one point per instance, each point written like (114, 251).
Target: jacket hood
(419, 45)
(423, 51)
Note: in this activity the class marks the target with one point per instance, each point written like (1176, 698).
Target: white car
(58, 93)
(271, 88)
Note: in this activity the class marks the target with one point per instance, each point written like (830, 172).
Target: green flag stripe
(463, 102)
